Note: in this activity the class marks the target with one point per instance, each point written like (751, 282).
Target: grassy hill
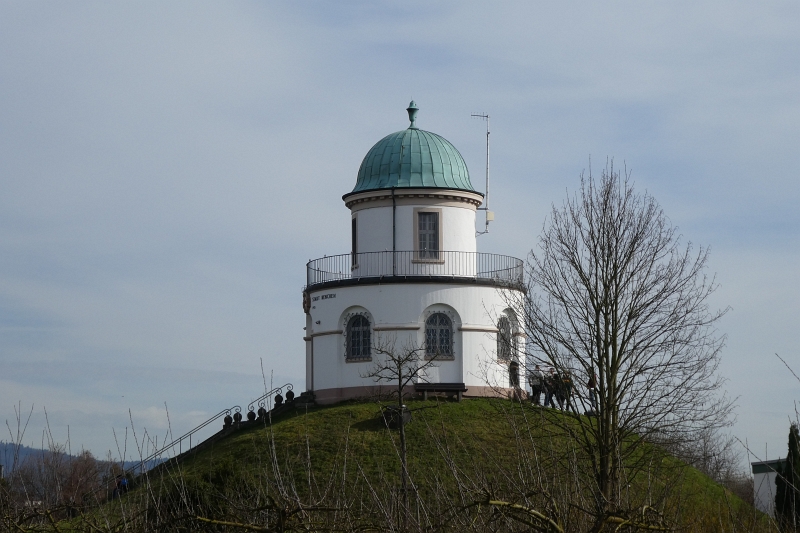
(480, 465)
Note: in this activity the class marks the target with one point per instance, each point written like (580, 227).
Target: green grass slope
(477, 465)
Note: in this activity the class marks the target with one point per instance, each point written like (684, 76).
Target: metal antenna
(489, 214)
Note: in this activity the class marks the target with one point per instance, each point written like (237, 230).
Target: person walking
(558, 379)
(566, 385)
(550, 383)
(536, 381)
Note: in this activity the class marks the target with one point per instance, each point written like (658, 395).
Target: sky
(168, 168)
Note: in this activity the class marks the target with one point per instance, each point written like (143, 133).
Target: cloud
(167, 170)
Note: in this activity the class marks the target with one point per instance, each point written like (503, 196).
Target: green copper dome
(413, 158)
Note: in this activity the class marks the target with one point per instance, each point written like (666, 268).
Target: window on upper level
(439, 336)
(428, 234)
(358, 338)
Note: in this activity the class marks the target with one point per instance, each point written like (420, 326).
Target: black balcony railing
(481, 267)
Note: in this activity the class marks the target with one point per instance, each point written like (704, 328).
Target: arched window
(358, 338)
(439, 336)
(504, 339)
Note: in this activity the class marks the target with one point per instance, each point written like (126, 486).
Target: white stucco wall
(473, 308)
(374, 228)
(764, 492)
(385, 219)
(764, 488)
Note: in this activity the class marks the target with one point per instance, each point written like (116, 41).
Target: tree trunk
(403, 464)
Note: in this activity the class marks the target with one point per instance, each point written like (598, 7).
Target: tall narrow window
(504, 339)
(438, 336)
(358, 338)
(513, 375)
(428, 227)
(354, 226)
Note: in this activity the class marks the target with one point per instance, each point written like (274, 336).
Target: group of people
(557, 386)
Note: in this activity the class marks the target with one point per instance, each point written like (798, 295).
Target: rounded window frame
(347, 324)
(450, 328)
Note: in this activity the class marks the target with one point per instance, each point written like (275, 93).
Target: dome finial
(412, 114)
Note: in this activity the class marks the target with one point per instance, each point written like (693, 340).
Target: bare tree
(613, 293)
(400, 366)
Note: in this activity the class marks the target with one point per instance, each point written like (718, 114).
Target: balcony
(415, 266)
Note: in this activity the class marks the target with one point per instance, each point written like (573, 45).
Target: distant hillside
(9, 450)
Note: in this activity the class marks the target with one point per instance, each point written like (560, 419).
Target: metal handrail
(500, 269)
(143, 462)
(179, 440)
(260, 401)
(141, 466)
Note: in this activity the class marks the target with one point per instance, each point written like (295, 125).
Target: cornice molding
(329, 332)
(479, 328)
(395, 327)
(383, 197)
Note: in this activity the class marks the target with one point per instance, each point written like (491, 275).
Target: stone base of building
(375, 392)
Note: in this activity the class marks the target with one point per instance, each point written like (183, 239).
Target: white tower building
(413, 276)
